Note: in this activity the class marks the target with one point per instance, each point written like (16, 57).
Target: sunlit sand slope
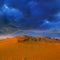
(30, 48)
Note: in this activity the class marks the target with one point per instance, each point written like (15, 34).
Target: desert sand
(30, 48)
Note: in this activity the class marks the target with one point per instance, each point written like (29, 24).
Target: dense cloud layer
(29, 14)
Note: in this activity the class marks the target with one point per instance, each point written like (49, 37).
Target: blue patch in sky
(29, 14)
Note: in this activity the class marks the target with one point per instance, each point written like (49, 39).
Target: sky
(35, 15)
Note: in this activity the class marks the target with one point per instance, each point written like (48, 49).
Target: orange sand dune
(29, 48)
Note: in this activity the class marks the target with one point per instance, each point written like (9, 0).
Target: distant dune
(30, 48)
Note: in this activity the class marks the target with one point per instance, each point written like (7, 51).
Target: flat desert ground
(12, 49)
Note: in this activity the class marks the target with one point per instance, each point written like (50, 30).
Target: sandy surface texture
(29, 48)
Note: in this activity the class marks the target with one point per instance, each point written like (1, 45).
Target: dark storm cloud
(28, 14)
(36, 9)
